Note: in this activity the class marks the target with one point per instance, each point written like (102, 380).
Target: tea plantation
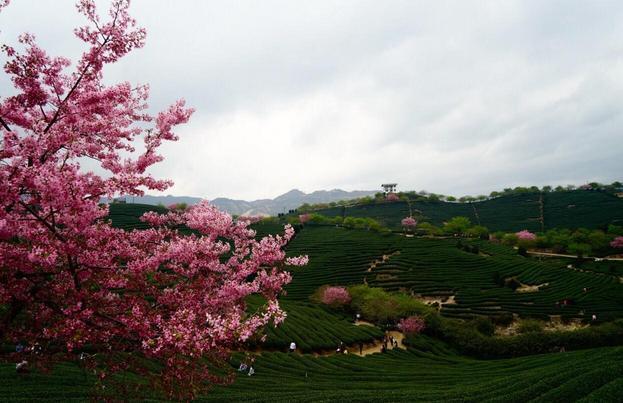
(438, 268)
(466, 283)
(570, 209)
(430, 372)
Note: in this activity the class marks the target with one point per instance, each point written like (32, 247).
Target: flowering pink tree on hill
(409, 223)
(525, 235)
(412, 325)
(67, 278)
(335, 296)
(303, 218)
(392, 197)
(617, 242)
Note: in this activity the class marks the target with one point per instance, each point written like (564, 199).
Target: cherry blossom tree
(303, 218)
(412, 325)
(617, 242)
(525, 235)
(392, 197)
(69, 281)
(335, 296)
(409, 223)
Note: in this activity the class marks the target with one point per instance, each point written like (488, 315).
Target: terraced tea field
(437, 269)
(315, 329)
(573, 209)
(431, 375)
(126, 216)
(430, 372)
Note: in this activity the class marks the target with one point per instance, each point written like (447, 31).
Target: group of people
(22, 366)
(341, 348)
(247, 365)
(389, 341)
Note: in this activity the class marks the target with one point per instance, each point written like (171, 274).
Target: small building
(389, 188)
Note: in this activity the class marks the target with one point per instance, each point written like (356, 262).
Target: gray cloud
(452, 97)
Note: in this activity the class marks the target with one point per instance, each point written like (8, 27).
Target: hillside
(429, 367)
(571, 209)
(437, 270)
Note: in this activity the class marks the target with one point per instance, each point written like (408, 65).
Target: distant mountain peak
(280, 204)
(287, 201)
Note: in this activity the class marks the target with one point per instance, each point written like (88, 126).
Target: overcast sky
(451, 97)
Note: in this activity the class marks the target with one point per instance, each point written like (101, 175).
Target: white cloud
(453, 97)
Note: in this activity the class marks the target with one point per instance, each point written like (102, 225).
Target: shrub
(504, 319)
(457, 225)
(429, 229)
(484, 325)
(478, 231)
(379, 306)
(468, 340)
(510, 239)
(530, 326)
(579, 249)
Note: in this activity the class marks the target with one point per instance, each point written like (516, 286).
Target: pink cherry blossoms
(409, 222)
(392, 197)
(335, 296)
(412, 325)
(67, 278)
(525, 235)
(303, 218)
(616, 242)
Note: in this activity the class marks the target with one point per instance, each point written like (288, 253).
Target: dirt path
(377, 346)
(384, 259)
(554, 324)
(573, 256)
(530, 288)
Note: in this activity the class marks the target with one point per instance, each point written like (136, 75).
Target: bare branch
(3, 123)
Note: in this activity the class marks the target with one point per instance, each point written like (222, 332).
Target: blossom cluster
(392, 197)
(412, 325)
(617, 242)
(335, 296)
(409, 222)
(525, 235)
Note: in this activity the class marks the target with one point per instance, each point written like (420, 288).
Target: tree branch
(3, 123)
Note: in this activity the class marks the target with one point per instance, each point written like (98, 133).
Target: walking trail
(573, 256)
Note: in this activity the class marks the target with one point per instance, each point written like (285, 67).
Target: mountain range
(280, 204)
